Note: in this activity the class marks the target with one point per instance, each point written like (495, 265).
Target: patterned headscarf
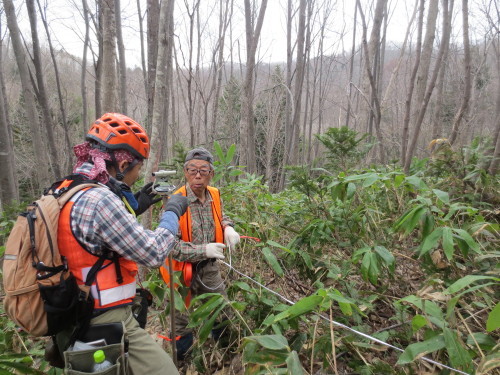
(85, 152)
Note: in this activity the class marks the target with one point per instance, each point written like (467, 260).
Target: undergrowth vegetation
(411, 260)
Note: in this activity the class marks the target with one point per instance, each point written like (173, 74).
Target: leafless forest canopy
(196, 72)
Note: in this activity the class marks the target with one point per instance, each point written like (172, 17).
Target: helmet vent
(114, 125)
(143, 139)
(122, 131)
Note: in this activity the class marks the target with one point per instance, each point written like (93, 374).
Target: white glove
(215, 250)
(231, 237)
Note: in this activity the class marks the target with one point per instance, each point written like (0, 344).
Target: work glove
(145, 198)
(178, 204)
(215, 250)
(231, 237)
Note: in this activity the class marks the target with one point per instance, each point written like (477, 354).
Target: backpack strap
(63, 196)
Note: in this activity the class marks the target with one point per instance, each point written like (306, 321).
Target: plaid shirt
(100, 220)
(203, 227)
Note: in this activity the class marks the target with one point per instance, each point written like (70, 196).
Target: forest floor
(408, 279)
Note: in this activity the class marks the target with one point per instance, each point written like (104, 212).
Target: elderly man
(203, 229)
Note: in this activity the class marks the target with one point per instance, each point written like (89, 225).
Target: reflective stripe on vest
(186, 235)
(105, 290)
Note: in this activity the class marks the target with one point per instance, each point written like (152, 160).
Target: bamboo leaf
(459, 357)
(275, 244)
(344, 303)
(493, 321)
(219, 152)
(272, 261)
(466, 281)
(385, 254)
(204, 311)
(207, 326)
(370, 179)
(373, 271)
(429, 307)
(351, 189)
(252, 354)
(230, 153)
(468, 239)
(272, 342)
(301, 307)
(420, 349)
(431, 241)
(448, 245)
(442, 195)
(242, 285)
(416, 182)
(410, 219)
(293, 364)
(418, 322)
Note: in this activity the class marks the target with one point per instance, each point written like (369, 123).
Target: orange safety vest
(106, 290)
(185, 225)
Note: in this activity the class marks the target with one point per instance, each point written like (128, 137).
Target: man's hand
(145, 197)
(178, 204)
(231, 237)
(215, 250)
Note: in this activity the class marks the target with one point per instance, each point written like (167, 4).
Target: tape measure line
(340, 325)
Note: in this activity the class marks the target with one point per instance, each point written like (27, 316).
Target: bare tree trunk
(122, 71)
(67, 162)
(406, 121)
(430, 87)
(190, 100)
(427, 48)
(351, 64)
(464, 107)
(375, 109)
(42, 92)
(98, 62)
(143, 52)
(224, 18)
(495, 161)
(41, 170)
(162, 81)
(437, 118)
(8, 179)
(4, 97)
(293, 147)
(307, 136)
(108, 57)
(247, 126)
(400, 59)
(83, 78)
(153, 17)
(289, 99)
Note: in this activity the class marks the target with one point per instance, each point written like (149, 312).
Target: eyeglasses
(194, 171)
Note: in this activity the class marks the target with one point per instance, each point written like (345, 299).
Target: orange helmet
(119, 132)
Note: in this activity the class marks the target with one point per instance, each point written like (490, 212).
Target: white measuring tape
(340, 324)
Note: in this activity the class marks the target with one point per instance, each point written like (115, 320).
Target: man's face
(198, 175)
(133, 175)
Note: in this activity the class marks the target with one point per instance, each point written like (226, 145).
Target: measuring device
(162, 184)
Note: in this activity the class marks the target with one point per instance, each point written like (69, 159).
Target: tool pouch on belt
(81, 362)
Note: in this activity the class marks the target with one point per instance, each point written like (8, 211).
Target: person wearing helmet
(101, 220)
(204, 228)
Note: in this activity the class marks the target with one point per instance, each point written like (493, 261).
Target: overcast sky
(67, 26)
